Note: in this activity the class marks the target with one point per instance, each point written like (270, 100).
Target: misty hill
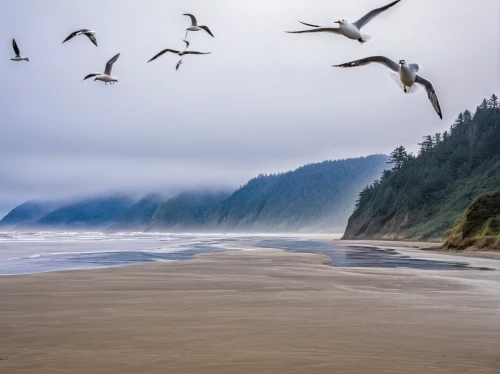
(480, 225)
(27, 213)
(138, 216)
(423, 196)
(316, 197)
(97, 213)
(184, 212)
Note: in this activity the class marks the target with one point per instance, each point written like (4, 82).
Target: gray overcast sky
(264, 101)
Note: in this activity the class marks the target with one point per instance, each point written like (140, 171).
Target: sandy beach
(250, 312)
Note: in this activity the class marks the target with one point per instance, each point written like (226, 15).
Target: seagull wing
(415, 67)
(333, 30)
(91, 75)
(374, 13)
(110, 63)
(163, 52)
(92, 38)
(196, 53)
(193, 19)
(207, 30)
(71, 36)
(187, 43)
(308, 24)
(178, 65)
(369, 60)
(431, 93)
(16, 48)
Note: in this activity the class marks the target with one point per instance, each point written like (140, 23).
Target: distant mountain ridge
(28, 213)
(96, 213)
(313, 198)
(423, 196)
(185, 212)
(139, 215)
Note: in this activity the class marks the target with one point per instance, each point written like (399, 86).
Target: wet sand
(250, 312)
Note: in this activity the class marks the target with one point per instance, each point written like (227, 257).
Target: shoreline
(424, 247)
(414, 250)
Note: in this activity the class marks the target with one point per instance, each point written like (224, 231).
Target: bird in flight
(88, 33)
(194, 26)
(349, 30)
(179, 53)
(18, 54)
(404, 75)
(106, 77)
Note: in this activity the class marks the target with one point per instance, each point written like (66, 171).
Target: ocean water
(39, 252)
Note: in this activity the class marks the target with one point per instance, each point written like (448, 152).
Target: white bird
(106, 77)
(405, 78)
(179, 53)
(18, 54)
(194, 26)
(349, 30)
(87, 33)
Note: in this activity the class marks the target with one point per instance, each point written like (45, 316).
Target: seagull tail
(365, 39)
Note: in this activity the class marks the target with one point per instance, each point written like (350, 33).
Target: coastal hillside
(184, 212)
(313, 198)
(423, 196)
(138, 216)
(27, 213)
(479, 227)
(93, 214)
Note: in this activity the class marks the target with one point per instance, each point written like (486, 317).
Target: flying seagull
(106, 77)
(179, 53)
(87, 33)
(349, 30)
(194, 26)
(18, 54)
(405, 76)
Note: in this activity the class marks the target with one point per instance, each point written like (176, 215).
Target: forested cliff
(423, 195)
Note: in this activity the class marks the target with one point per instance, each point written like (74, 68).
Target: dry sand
(250, 312)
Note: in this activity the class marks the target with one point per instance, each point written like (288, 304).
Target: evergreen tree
(494, 102)
(398, 158)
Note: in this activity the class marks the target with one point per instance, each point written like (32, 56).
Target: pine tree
(446, 136)
(398, 158)
(467, 117)
(426, 145)
(494, 102)
(438, 138)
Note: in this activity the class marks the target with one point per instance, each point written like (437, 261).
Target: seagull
(349, 30)
(406, 76)
(87, 33)
(18, 54)
(179, 53)
(106, 77)
(194, 26)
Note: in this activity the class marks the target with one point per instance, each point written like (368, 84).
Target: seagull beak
(400, 62)
(337, 22)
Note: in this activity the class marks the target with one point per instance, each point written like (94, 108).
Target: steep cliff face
(480, 225)
(423, 196)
